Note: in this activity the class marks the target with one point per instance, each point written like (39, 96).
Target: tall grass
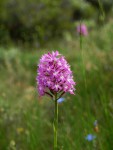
(26, 120)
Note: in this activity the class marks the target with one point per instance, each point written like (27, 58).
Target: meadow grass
(26, 120)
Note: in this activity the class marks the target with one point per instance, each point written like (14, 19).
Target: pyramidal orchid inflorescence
(82, 29)
(54, 75)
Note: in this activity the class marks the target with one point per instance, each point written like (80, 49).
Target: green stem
(82, 56)
(80, 37)
(55, 126)
(101, 9)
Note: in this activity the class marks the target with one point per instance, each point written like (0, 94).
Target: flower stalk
(82, 56)
(55, 125)
(101, 10)
(80, 36)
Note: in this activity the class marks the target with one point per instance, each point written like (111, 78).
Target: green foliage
(35, 20)
(26, 119)
(82, 10)
(40, 21)
(106, 4)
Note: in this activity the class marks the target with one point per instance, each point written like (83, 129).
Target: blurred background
(31, 28)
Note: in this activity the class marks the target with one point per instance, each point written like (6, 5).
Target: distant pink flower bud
(82, 29)
(54, 74)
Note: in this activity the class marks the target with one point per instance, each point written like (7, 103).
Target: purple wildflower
(54, 75)
(60, 100)
(82, 29)
(90, 137)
